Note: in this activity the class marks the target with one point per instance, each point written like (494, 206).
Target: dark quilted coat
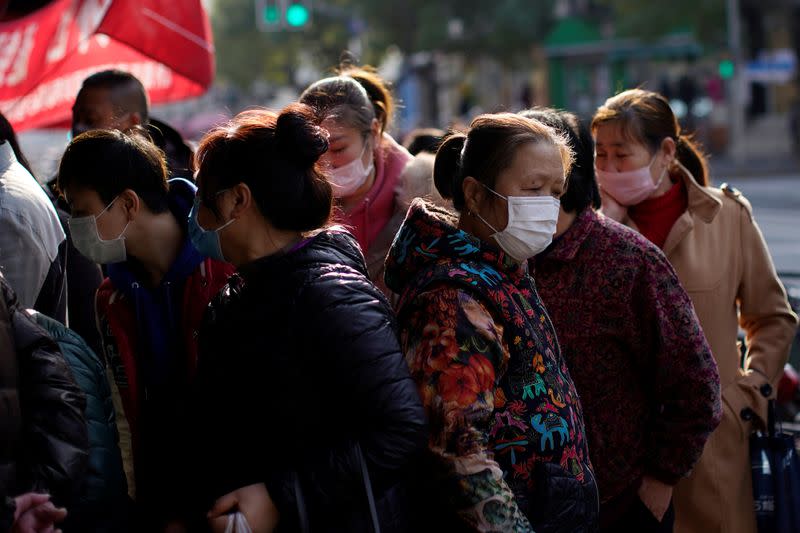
(45, 445)
(103, 499)
(299, 362)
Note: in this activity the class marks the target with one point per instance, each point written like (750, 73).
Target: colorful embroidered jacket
(506, 423)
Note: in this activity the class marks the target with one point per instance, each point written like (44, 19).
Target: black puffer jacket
(46, 448)
(299, 363)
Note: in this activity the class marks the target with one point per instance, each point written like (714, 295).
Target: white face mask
(531, 224)
(88, 242)
(347, 179)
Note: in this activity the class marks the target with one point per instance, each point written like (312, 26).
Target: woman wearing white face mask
(661, 179)
(506, 422)
(367, 165)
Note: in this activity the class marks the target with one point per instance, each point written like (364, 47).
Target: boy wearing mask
(127, 216)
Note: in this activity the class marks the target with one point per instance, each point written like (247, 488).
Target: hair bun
(447, 167)
(298, 137)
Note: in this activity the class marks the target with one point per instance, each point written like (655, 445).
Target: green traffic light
(726, 69)
(271, 15)
(297, 15)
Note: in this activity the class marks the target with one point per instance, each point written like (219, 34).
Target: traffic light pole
(736, 142)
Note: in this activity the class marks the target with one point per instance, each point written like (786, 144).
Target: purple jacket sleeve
(686, 380)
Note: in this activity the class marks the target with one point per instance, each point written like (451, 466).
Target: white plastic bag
(237, 523)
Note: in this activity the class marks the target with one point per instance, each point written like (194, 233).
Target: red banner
(46, 55)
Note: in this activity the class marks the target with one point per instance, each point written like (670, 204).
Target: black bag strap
(373, 510)
(302, 510)
(772, 420)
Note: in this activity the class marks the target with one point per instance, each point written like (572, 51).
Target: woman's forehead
(615, 134)
(337, 130)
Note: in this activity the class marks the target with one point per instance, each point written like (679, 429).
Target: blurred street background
(729, 68)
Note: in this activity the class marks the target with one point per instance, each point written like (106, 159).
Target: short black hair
(582, 190)
(179, 154)
(8, 135)
(110, 161)
(424, 140)
(127, 92)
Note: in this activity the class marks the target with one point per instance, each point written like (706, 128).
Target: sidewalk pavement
(724, 167)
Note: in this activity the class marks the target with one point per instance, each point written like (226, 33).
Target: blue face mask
(206, 241)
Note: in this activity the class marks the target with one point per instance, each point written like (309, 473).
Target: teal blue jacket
(104, 500)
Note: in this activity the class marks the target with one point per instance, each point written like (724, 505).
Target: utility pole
(736, 112)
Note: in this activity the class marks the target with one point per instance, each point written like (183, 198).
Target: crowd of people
(529, 324)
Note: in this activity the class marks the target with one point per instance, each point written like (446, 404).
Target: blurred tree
(705, 19)
(245, 54)
(506, 30)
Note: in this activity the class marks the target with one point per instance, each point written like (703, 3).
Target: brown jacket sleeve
(764, 315)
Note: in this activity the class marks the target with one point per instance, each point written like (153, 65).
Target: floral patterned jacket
(506, 424)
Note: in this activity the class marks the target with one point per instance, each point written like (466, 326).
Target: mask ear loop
(199, 201)
(369, 168)
(106, 208)
(97, 230)
(121, 235)
(665, 171)
(478, 216)
(494, 192)
(485, 222)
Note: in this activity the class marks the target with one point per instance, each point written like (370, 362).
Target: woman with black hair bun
(299, 358)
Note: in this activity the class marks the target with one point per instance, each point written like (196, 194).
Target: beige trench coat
(722, 260)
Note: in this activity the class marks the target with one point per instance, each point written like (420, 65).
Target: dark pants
(637, 517)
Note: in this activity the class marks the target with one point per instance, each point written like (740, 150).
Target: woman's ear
(473, 194)
(669, 148)
(375, 130)
(242, 199)
(131, 203)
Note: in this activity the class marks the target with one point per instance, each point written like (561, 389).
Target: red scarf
(655, 216)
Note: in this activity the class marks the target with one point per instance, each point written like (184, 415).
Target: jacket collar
(429, 236)
(333, 245)
(180, 197)
(565, 247)
(702, 204)
(390, 159)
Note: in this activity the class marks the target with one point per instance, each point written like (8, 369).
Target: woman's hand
(656, 496)
(35, 513)
(611, 208)
(253, 501)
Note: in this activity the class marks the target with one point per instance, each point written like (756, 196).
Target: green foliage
(245, 54)
(705, 19)
(503, 29)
